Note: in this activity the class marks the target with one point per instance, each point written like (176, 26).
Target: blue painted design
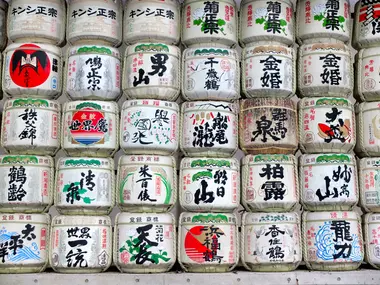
(27, 252)
(324, 242)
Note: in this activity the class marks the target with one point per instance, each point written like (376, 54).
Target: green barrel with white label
(145, 242)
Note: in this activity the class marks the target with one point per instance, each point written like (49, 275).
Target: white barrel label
(370, 183)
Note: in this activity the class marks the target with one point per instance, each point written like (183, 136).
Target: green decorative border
(80, 162)
(211, 50)
(332, 101)
(152, 47)
(30, 102)
(88, 105)
(20, 159)
(333, 157)
(209, 218)
(95, 49)
(210, 162)
(271, 157)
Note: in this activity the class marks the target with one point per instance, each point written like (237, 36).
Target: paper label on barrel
(93, 74)
(373, 240)
(30, 20)
(145, 244)
(324, 16)
(327, 123)
(152, 66)
(371, 128)
(99, 21)
(208, 244)
(150, 126)
(270, 71)
(209, 126)
(271, 183)
(80, 246)
(152, 18)
(22, 243)
(24, 181)
(146, 183)
(212, 71)
(267, 18)
(208, 184)
(369, 24)
(272, 243)
(29, 67)
(210, 19)
(90, 126)
(31, 126)
(337, 240)
(369, 73)
(370, 183)
(80, 187)
(325, 69)
(329, 179)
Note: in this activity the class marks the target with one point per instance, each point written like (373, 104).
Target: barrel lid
(85, 162)
(149, 2)
(187, 2)
(366, 52)
(46, 161)
(108, 107)
(61, 220)
(152, 47)
(210, 163)
(209, 105)
(372, 218)
(151, 159)
(326, 158)
(105, 2)
(245, 2)
(94, 49)
(311, 102)
(207, 218)
(35, 46)
(269, 218)
(367, 106)
(150, 103)
(29, 218)
(268, 158)
(143, 218)
(329, 216)
(32, 102)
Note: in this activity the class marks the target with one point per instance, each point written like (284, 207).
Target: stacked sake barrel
(145, 232)
(331, 230)
(270, 238)
(366, 38)
(81, 236)
(32, 77)
(209, 185)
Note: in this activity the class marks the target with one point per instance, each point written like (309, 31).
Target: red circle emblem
(29, 66)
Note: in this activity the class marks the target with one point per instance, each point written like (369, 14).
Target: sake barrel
(152, 71)
(369, 182)
(25, 243)
(208, 242)
(37, 21)
(33, 70)
(209, 128)
(269, 70)
(268, 126)
(269, 183)
(149, 127)
(152, 20)
(90, 128)
(209, 22)
(93, 72)
(81, 244)
(332, 241)
(146, 183)
(328, 182)
(96, 21)
(323, 19)
(371, 238)
(144, 242)
(266, 21)
(3, 21)
(325, 69)
(27, 183)
(367, 86)
(209, 184)
(326, 125)
(366, 31)
(85, 186)
(271, 241)
(368, 128)
(31, 126)
(210, 72)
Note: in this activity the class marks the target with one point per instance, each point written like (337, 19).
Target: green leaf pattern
(86, 200)
(201, 22)
(325, 21)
